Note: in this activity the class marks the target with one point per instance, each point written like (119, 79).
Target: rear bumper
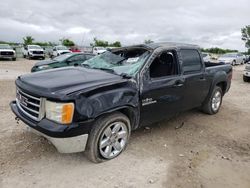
(66, 138)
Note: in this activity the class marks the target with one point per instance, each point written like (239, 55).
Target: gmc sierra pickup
(94, 107)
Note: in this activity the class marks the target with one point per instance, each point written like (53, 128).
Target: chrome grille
(30, 105)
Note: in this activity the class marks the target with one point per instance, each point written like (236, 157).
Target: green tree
(245, 32)
(28, 40)
(217, 50)
(148, 41)
(98, 42)
(115, 44)
(104, 43)
(67, 42)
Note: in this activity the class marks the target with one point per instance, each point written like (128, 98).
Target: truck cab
(94, 107)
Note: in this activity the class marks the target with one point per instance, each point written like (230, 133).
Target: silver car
(232, 58)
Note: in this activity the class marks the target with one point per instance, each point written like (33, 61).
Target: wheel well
(223, 86)
(130, 113)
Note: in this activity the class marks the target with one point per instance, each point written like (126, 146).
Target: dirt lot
(208, 151)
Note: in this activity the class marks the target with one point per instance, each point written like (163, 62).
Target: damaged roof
(153, 46)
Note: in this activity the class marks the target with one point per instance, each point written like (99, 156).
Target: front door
(162, 91)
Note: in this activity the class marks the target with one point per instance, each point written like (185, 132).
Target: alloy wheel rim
(113, 140)
(216, 101)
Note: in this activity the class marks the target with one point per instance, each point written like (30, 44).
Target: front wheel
(233, 63)
(246, 79)
(213, 103)
(108, 138)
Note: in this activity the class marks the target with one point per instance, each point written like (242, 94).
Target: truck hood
(7, 50)
(58, 83)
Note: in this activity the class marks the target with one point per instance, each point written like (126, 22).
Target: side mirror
(14, 49)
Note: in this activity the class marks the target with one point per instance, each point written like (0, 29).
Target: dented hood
(63, 81)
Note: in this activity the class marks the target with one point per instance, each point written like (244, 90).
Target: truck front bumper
(64, 138)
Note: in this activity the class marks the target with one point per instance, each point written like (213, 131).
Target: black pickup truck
(94, 107)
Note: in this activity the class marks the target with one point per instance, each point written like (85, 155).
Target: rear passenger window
(191, 61)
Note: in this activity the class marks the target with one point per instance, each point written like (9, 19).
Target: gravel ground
(207, 151)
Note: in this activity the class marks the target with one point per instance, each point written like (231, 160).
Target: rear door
(162, 90)
(196, 84)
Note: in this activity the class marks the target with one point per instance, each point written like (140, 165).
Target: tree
(28, 40)
(148, 41)
(218, 50)
(104, 43)
(67, 42)
(100, 43)
(245, 32)
(116, 44)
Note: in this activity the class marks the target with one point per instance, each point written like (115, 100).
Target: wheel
(108, 138)
(246, 79)
(24, 56)
(213, 104)
(13, 59)
(234, 63)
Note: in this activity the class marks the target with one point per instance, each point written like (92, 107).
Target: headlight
(43, 67)
(59, 112)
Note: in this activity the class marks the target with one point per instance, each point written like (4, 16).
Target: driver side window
(164, 65)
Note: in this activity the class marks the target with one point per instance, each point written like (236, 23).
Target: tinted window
(191, 61)
(164, 65)
(88, 56)
(77, 58)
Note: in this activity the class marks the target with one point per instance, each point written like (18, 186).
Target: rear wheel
(108, 138)
(13, 59)
(213, 104)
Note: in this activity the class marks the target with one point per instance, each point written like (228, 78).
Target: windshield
(228, 55)
(5, 46)
(61, 48)
(204, 55)
(34, 47)
(99, 48)
(121, 62)
(62, 57)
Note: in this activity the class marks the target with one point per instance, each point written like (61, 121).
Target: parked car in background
(98, 50)
(68, 59)
(60, 50)
(94, 107)
(232, 58)
(74, 49)
(33, 51)
(246, 74)
(207, 57)
(7, 52)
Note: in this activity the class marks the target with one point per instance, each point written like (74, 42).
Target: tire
(213, 103)
(13, 59)
(233, 63)
(246, 79)
(24, 56)
(106, 125)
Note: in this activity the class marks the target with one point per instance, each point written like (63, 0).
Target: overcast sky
(207, 23)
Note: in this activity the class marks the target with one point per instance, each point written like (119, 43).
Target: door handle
(178, 83)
